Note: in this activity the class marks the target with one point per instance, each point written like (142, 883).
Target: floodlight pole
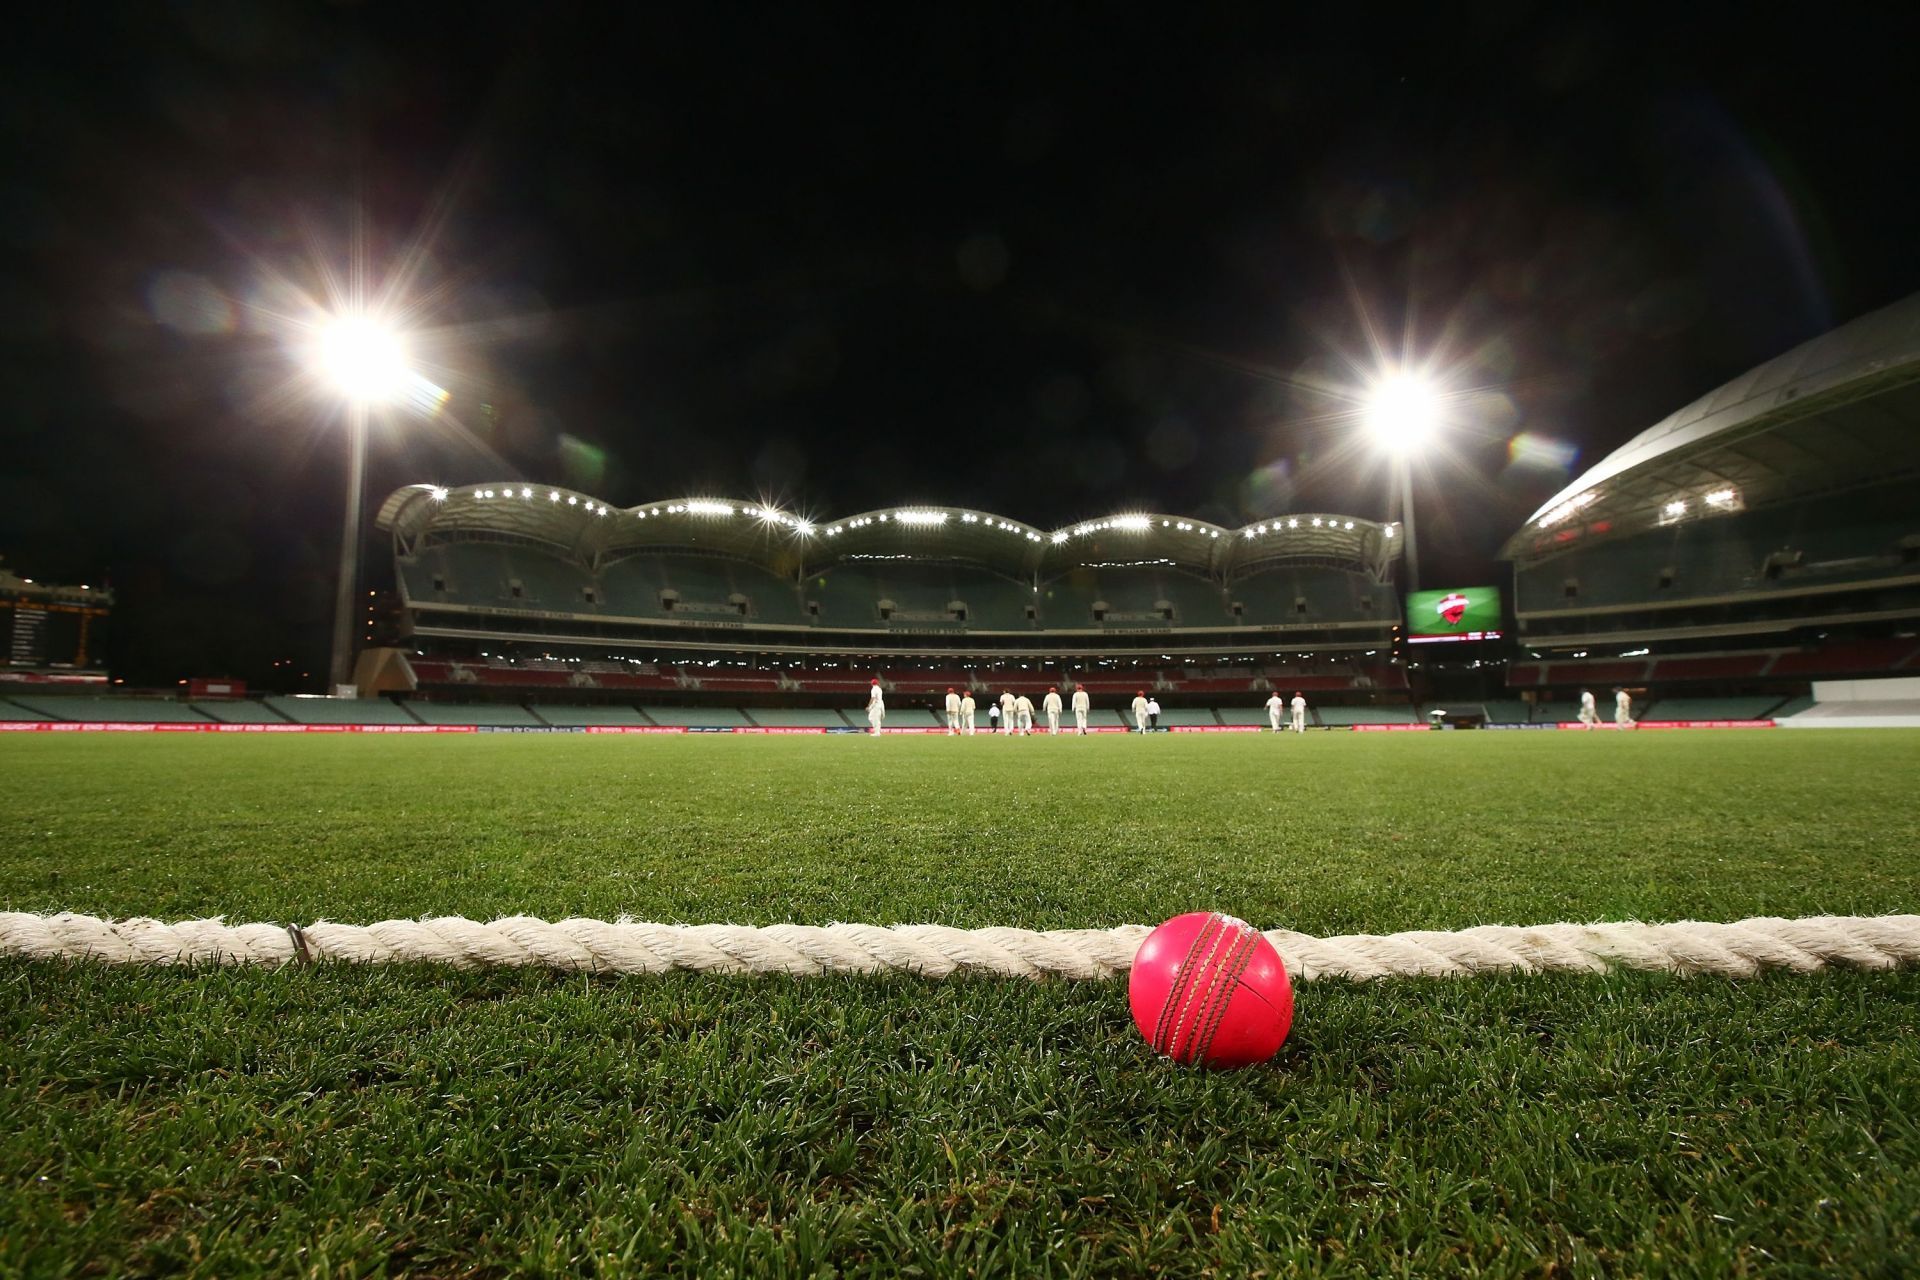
(340, 669)
(1405, 467)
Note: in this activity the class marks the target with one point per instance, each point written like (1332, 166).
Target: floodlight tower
(1402, 414)
(364, 361)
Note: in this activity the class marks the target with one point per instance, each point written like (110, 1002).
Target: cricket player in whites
(1023, 714)
(1274, 707)
(1081, 705)
(1299, 713)
(876, 706)
(1588, 716)
(1006, 712)
(1052, 704)
(1622, 709)
(1140, 710)
(953, 713)
(966, 713)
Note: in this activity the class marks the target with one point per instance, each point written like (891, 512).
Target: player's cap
(876, 679)
(949, 688)
(1079, 686)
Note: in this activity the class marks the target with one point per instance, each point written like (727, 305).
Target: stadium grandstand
(1759, 540)
(538, 595)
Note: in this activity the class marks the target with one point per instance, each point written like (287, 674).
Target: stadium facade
(1767, 533)
(709, 596)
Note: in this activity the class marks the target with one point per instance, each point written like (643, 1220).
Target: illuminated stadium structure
(532, 570)
(1768, 531)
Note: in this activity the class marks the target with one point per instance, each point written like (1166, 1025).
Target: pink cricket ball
(1209, 989)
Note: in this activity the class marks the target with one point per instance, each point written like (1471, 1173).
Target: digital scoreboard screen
(38, 634)
(1462, 613)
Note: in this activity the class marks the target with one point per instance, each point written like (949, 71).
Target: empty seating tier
(340, 710)
(108, 708)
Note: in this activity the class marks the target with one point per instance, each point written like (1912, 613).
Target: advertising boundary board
(142, 726)
(1214, 728)
(1669, 724)
(157, 726)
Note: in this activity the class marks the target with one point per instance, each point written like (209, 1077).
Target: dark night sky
(1052, 268)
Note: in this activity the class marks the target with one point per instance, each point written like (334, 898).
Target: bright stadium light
(920, 517)
(364, 359)
(1402, 411)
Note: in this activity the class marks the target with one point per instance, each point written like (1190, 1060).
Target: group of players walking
(1622, 710)
(1014, 713)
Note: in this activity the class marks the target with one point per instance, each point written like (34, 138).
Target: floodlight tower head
(1402, 412)
(364, 359)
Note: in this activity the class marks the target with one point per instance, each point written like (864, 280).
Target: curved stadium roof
(591, 532)
(1840, 411)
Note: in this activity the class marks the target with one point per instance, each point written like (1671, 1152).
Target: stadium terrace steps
(492, 714)
(16, 714)
(315, 710)
(1792, 707)
(1507, 712)
(110, 708)
(694, 716)
(570, 717)
(239, 711)
(1244, 715)
(1188, 716)
(794, 718)
(1334, 717)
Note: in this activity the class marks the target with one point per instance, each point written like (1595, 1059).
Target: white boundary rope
(1741, 949)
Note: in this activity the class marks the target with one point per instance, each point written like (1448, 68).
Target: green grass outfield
(343, 1121)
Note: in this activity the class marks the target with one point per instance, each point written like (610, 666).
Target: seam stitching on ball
(1230, 983)
(1163, 1029)
(1182, 1023)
